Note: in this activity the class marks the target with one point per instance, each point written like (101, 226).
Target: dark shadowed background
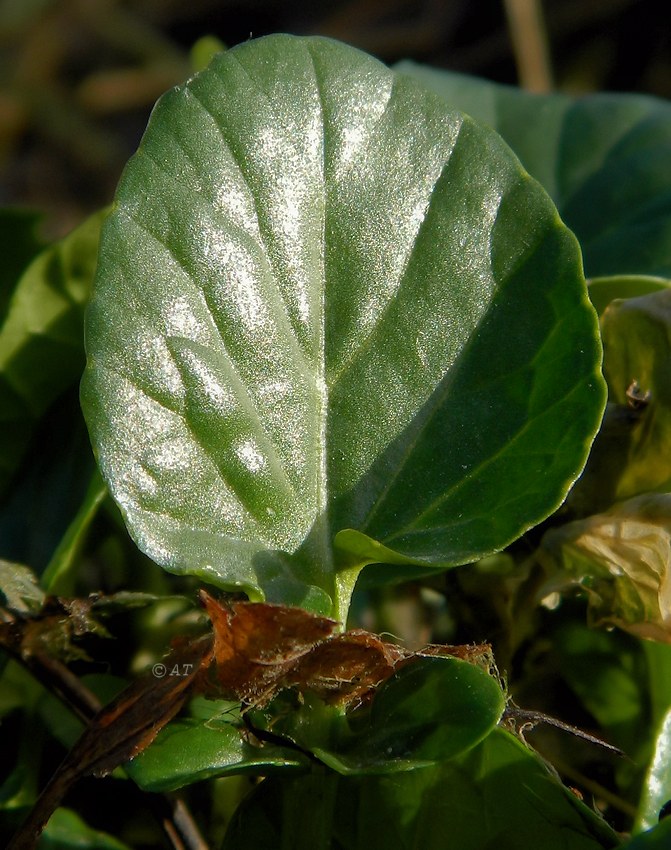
(78, 77)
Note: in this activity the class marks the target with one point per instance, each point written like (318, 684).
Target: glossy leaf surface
(603, 158)
(431, 710)
(497, 795)
(326, 301)
(657, 786)
(190, 750)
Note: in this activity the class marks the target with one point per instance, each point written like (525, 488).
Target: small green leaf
(67, 831)
(433, 709)
(204, 50)
(430, 710)
(190, 750)
(326, 301)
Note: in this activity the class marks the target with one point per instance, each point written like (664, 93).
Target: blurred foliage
(78, 77)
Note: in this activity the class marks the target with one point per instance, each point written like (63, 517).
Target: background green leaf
(602, 157)
(607, 672)
(603, 290)
(636, 335)
(48, 486)
(497, 795)
(657, 838)
(67, 831)
(61, 571)
(19, 243)
(41, 338)
(325, 301)
(621, 558)
(630, 453)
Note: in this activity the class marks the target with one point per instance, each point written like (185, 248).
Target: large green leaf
(499, 795)
(603, 158)
(326, 301)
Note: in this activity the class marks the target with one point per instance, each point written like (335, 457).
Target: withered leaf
(346, 668)
(128, 724)
(256, 644)
(262, 649)
(479, 654)
(121, 730)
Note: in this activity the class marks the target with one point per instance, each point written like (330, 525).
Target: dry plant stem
(169, 810)
(523, 719)
(30, 830)
(530, 44)
(57, 679)
(177, 822)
